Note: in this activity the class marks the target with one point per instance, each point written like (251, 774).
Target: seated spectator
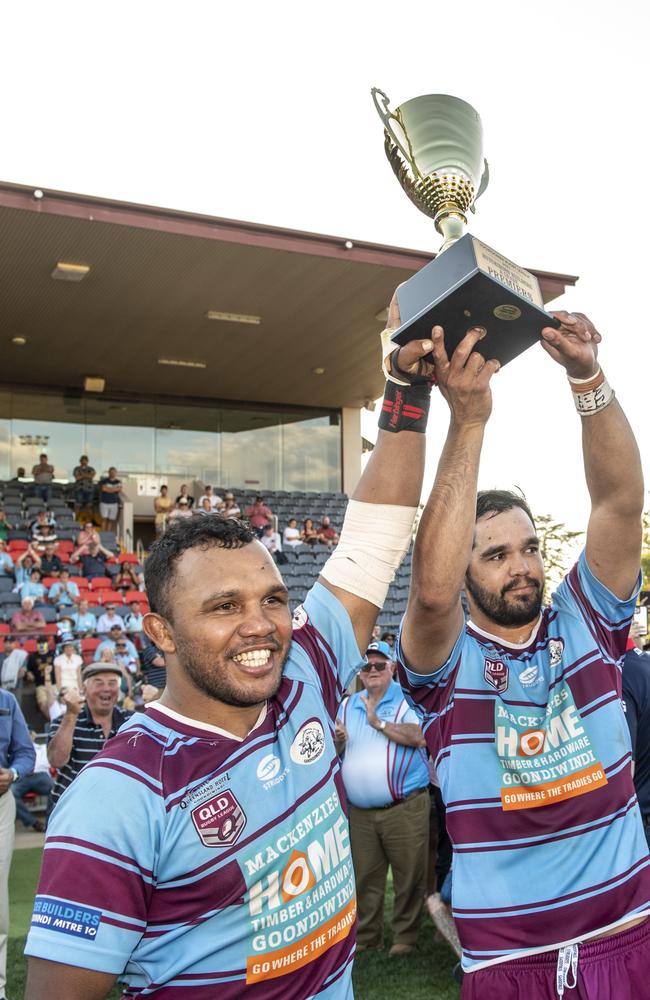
(205, 507)
(13, 665)
(64, 592)
(125, 657)
(110, 643)
(133, 623)
(40, 671)
(92, 558)
(25, 563)
(67, 666)
(110, 487)
(389, 638)
(39, 782)
(184, 494)
(182, 509)
(259, 515)
(5, 527)
(154, 671)
(230, 506)
(215, 500)
(129, 577)
(308, 535)
(88, 534)
(65, 624)
(162, 506)
(326, 533)
(51, 564)
(291, 534)
(271, 540)
(6, 562)
(27, 622)
(84, 477)
(43, 519)
(34, 588)
(43, 474)
(45, 534)
(20, 475)
(109, 620)
(84, 621)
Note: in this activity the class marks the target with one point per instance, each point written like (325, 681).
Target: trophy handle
(485, 180)
(381, 103)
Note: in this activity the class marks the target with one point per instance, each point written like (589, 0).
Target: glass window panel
(251, 449)
(312, 454)
(120, 434)
(5, 436)
(188, 442)
(62, 443)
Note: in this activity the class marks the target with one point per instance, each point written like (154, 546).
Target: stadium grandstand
(176, 350)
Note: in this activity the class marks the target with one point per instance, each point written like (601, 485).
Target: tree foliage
(558, 547)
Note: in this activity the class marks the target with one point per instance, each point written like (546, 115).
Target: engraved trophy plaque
(434, 144)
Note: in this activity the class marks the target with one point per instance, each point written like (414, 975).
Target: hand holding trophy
(434, 144)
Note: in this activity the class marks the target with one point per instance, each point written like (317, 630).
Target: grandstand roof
(154, 274)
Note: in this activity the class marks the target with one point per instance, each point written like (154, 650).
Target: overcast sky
(262, 112)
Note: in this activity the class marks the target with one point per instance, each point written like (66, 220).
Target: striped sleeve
(99, 863)
(429, 694)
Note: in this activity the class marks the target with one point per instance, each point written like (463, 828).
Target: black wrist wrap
(405, 407)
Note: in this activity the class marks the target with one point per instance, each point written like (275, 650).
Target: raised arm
(379, 519)
(611, 456)
(434, 615)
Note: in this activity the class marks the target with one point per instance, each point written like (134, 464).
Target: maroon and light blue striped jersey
(533, 755)
(198, 865)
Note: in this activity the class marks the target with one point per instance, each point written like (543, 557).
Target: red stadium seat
(110, 596)
(136, 595)
(101, 583)
(17, 545)
(127, 557)
(65, 546)
(29, 645)
(90, 644)
(49, 581)
(82, 582)
(4, 629)
(92, 596)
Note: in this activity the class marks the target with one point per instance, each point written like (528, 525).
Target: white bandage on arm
(374, 539)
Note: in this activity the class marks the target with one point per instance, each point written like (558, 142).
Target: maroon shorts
(612, 968)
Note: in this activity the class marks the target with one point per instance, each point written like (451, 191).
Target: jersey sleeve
(429, 694)
(324, 645)
(98, 868)
(607, 617)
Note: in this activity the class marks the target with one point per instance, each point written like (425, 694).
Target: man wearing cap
(182, 509)
(108, 621)
(386, 782)
(76, 737)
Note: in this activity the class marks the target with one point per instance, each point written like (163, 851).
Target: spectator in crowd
(326, 533)
(271, 540)
(258, 515)
(88, 534)
(389, 638)
(162, 506)
(291, 534)
(40, 671)
(84, 621)
(84, 477)
(13, 665)
(6, 562)
(110, 642)
(20, 475)
(17, 759)
(27, 622)
(67, 666)
(376, 633)
(44, 535)
(25, 563)
(92, 558)
(215, 501)
(230, 506)
(129, 577)
(34, 588)
(43, 474)
(134, 620)
(110, 487)
(64, 592)
(205, 507)
(50, 563)
(109, 620)
(184, 494)
(126, 658)
(125, 697)
(65, 625)
(636, 704)
(308, 535)
(5, 526)
(39, 782)
(182, 509)
(80, 734)
(387, 785)
(154, 671)
(44, 519)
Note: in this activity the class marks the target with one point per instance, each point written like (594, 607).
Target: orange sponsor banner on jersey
(532, 796)
(306, 949)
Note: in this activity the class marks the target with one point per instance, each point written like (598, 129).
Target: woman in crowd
(230, 506)
(291, 534)
(308, 535)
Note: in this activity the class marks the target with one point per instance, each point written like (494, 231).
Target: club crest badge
(309, 744)
(496, 674)
(556, 650)
(299, 618)
(220, 821)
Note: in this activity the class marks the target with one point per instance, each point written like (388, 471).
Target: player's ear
(159, 631)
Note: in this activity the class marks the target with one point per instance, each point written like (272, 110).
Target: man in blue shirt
(17, 759)
(386, 783)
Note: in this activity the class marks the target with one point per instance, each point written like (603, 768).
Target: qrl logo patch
(496, 674)
(220, 821)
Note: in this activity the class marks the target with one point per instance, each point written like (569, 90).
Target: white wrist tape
(387, 348)
(591, 395)
(374, 540)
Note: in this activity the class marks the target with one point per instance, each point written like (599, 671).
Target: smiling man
(222, 867)
(521, 706)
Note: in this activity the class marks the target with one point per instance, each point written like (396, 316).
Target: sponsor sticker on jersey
(496, 674)
(66, 916)
(309, 743)
(220, 821)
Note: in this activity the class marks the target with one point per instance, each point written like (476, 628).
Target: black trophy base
(472, 285)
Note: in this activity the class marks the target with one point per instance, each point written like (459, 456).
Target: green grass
(424, 975)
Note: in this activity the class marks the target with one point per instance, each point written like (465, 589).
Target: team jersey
(196, 864)
(533, 755)
(376, 771)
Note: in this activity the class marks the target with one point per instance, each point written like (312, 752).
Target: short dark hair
(495, 502)
(192, 533)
